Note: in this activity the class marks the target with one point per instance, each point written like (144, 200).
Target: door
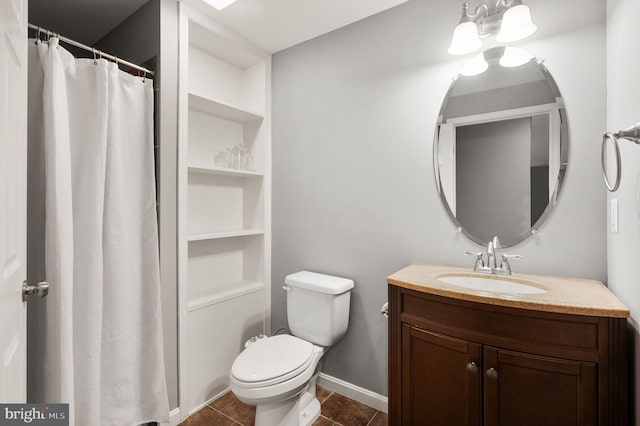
(522, 389)
(13, 200)
(441, 379)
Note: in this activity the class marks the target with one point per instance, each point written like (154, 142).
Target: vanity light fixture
(219, 4)
(509, 19)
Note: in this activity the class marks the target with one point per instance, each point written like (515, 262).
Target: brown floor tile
(322, 394)
(380, 419)
(208, 417)
(240, 412)
(223, 401)
(346, 411)
(323, 421)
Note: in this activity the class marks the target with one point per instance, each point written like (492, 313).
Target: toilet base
(310, 409)
(300, 410)
(297, 411)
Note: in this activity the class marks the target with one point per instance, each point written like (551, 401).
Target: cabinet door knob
(472, 367)
(492, 373)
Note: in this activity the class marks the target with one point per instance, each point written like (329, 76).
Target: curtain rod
(91, 49)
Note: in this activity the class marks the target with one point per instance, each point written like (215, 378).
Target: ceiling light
(219, 4)
(514, 57)
(509, 19)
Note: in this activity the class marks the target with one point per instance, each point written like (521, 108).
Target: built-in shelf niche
(218, 266)
(224, 231)
(212, 135)
(222, 203)
(239, 81)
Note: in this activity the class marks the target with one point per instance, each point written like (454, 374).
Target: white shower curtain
(99, 330)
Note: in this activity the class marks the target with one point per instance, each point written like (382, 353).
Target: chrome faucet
(491, 253)
(491, 265)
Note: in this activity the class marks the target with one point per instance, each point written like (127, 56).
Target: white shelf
(225, 292)
(224, 226)
(224, 171)
(225, 234)
(222, 109)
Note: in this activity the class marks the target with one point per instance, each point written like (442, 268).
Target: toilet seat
(271, 361)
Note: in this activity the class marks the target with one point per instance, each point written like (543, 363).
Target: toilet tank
(318, 306)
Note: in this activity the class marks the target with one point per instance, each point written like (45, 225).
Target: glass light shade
(477, 65)
(219, 4)
(465, 39)
(516, 24)
(514, 57)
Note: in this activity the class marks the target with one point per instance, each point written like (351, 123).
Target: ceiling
(275, 25)
(272, 25)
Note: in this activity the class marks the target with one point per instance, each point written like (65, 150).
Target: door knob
(472, 367)
(492, 373)
(41, 289)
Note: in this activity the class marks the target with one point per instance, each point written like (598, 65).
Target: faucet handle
(476, 254)
(506, 256)
(479, 259)
(504, 265)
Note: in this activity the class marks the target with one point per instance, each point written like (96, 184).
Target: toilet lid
(276, 356)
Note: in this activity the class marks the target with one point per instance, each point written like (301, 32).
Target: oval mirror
(501, 146)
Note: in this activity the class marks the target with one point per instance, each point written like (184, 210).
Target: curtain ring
(606, 137)
(95, 59)
(38, 35)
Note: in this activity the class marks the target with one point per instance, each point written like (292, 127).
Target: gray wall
(354, 193)
(623, 110)
(137, 38)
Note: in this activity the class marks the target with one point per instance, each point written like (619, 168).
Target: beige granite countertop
(563, 295)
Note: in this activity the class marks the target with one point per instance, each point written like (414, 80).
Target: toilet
(278, 374)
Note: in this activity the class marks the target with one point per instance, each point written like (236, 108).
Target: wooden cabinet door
(522, 389)
(441, 379)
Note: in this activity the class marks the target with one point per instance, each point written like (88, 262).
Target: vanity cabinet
(460, 362)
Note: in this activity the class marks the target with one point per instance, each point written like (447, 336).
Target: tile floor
(336, 410)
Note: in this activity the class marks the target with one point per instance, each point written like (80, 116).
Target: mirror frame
(563, 140)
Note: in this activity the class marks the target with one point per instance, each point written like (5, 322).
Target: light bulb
(514, 57)
(516, 24)
(465, 39)
(477, 65)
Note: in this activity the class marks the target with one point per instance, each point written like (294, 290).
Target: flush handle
(286, 288)
(492, 373)
(472, 367)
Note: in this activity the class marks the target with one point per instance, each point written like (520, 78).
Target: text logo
(34, 414)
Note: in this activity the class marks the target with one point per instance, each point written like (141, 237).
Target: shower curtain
(98, 333)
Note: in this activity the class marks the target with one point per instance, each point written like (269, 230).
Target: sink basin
(496, 284)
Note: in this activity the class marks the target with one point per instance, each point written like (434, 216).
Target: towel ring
(631, 134)
(606, 137)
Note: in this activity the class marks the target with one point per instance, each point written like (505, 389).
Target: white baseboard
(174, 417)
(365, 396)
(208, 401)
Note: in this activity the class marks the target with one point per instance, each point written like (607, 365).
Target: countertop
(563, 295)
